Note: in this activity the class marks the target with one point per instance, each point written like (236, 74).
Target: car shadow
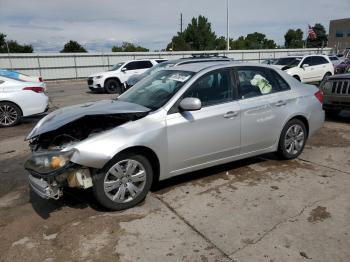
(342, 117)
(81, 199)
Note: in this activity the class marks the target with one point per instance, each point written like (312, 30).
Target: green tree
(197, 36)
(73, 47)
(129, 47)
(253, 41)
(221, 43)
(13, 46)
(321, 37)
(294, 38)
(178, 43)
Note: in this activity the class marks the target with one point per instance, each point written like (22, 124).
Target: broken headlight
(49, 161)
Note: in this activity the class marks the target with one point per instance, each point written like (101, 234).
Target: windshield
(117, 66)
(154, 91)
(288, 61)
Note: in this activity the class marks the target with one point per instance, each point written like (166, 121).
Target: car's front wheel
(10, 114)
(124, 182)
(292, 140)
(113, 86)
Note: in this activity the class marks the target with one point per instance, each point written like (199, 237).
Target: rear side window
(161, 61)
(319, 60)
(256, 81)
(138, 65)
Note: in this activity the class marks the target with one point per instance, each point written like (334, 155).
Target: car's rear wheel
(113, 86)
(292, 140)
(10, 114)
(124, 182)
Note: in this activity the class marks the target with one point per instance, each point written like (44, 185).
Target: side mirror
(123, 69)
(190, 104)
(305, 66)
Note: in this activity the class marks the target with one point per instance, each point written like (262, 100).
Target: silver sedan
(173, 122)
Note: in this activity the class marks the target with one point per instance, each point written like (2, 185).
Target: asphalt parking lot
(259, 209)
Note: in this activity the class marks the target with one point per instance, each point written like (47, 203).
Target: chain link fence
(56, 66)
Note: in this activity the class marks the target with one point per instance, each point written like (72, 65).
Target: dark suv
(336, 91)
(196, 58)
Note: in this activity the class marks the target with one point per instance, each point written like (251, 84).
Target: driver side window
(213, 88)
(307, 60)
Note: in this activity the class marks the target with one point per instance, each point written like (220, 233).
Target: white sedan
(20, 99)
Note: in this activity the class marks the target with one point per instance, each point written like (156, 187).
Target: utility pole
(8, 52)
(181, 23)
(228, 27)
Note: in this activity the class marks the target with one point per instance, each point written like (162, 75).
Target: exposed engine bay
(79, 130)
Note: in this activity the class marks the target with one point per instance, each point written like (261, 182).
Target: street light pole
(228, 27)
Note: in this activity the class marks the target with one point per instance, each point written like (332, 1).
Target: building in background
(339, 34)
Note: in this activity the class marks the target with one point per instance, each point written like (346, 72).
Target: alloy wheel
(8, 115)
(124, 181)
(294, 139)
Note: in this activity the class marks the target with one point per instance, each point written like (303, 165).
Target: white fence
(52, 66)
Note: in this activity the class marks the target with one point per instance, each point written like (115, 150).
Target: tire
(10, 114)
(297, 78)
(115, 190)
(332, 112)
(295, 133)
(113, 86)
(325, 77)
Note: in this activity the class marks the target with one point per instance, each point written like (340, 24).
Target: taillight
(319, 96)
(36, 89)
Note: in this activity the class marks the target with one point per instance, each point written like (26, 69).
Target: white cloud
(100, 24)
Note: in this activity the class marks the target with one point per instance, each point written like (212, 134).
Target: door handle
(230, 114)
(281, 103)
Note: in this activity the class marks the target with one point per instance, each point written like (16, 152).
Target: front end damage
(53, 141)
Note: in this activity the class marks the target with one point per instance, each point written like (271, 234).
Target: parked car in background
(20, 76)
(336, 91)
(335, 60)
(269, 61)
(113, 80)
(307, 69)
(19, 99)
(176, 121)
(182, 61)
(343, 67)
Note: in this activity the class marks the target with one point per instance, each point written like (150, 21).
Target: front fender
(96, 151)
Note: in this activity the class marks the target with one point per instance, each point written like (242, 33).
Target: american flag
(312, 33)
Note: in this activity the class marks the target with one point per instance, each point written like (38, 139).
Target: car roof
(196, 67)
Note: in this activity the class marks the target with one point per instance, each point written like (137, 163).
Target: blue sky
(98, 25)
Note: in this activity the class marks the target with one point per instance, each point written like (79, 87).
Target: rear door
(320, 65)
(265, 101)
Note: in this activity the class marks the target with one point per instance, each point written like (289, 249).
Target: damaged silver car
(173, 122)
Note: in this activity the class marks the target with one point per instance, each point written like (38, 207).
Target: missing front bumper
(44, 189)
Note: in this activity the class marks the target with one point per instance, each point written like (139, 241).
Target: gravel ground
(259, 209)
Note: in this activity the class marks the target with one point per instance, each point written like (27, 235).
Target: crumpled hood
(69, 114)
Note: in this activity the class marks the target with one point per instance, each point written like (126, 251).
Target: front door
(201, 137)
